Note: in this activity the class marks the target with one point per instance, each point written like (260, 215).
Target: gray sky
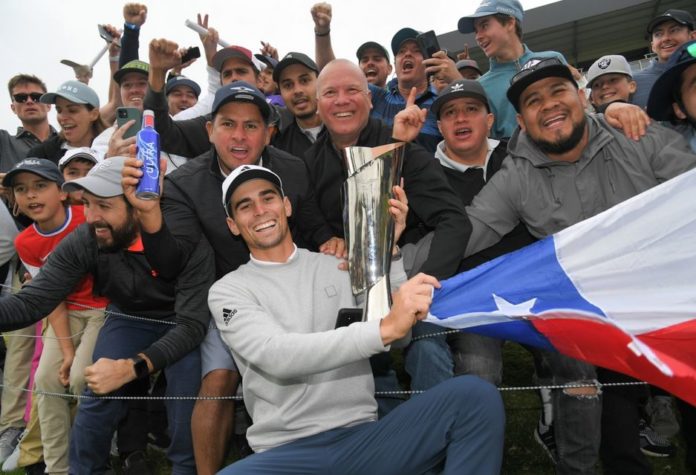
(37, 34)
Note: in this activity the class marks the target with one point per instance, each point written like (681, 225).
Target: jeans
(576, 418)
(460, 421)
(97, 418)
(438, 356)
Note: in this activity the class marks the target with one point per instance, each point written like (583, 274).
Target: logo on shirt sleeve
(227, 315)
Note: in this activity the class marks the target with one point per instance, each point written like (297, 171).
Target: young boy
(610, 79)
(68, 342)
(75, 164)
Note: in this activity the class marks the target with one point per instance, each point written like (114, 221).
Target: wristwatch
(140, 367)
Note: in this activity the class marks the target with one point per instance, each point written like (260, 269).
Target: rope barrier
(239, 398)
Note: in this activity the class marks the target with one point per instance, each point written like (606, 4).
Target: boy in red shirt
(68, 342)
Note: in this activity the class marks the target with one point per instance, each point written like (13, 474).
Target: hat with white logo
(610, 64)
(240, 91)
(460, 88)
(73, 91)
(294, 58)
(38, 166)
(243, 174)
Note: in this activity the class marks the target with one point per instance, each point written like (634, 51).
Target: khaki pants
(55, 412)
(20, 350)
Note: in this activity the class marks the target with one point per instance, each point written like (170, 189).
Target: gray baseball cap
(612, 63)
(74, 91)
(103, 180)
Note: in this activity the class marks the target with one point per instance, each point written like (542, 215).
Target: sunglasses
(22, 97)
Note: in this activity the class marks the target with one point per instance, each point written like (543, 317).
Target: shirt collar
(274, 264)
(447, 162)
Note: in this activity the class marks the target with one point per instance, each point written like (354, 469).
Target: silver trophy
(367, 224)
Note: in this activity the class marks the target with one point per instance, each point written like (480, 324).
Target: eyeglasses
(533, 65)
(22, 97)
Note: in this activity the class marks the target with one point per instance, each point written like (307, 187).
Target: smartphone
(124, 114)
(428, 44)
(346, 316)
(105, 34)
(192, 53)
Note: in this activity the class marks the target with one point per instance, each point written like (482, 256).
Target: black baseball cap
(680, 16)
(662, 93)
(240, 91)
(38, 166)
(243, 174)
(267, 60)
(533, 71)
(294, 58)
(401, 37)
(460, 88)
(372, 45)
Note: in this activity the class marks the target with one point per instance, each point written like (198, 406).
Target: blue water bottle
(148, 151)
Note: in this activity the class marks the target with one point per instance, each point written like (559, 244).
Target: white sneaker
(11, 462)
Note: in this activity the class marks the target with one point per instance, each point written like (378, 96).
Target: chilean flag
(617, 290)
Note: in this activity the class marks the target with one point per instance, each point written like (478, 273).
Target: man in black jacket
(173, 318)
(344, 106)
(469, 159)
(191, 208)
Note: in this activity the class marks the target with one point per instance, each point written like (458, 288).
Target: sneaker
(8, 441)
(38, 468)
(653, 444)
(661, 414)
(12, 462)
(135, 464)
(545, 437)
(159, 442)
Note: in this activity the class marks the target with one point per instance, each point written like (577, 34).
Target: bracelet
(114, 59)
(322, 34)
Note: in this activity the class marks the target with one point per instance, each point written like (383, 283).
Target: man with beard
(296, 75)
(172, 318)
(566, 166)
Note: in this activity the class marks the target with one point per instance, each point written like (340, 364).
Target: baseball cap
(135, 66)
(267, 60)
(240, 91)
(103, 180)
(74, 91)
(680, 16)
(245, 173)
(371, 45)
(402, 36)
(612, 63)
(234, 51)
(511, 8)
(460, 88)
(85, 153)
(468, 63)
(294, 58)
(38, 166)
(182, 81)
(533, 71)
(662, 93)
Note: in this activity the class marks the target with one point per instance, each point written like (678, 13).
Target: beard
(562, 145)
(121, 237)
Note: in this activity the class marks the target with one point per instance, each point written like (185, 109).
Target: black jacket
(50, 149)
(432, 203)
(467, 186)
(127, 280)
(192, 205)
(293, 140)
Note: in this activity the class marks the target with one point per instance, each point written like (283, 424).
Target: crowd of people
(230, 283)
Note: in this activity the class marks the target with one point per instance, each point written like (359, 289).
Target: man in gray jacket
(566, 166)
